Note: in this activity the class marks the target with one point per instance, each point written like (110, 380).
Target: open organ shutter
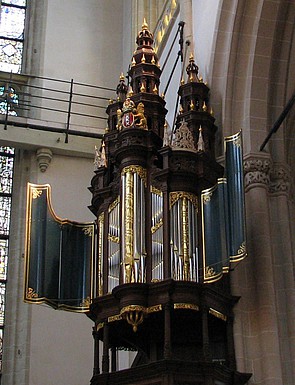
(59, 256)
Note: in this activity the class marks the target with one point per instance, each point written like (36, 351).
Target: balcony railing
(53, 104)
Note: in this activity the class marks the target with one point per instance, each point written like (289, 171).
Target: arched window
(12, 25)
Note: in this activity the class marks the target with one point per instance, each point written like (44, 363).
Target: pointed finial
(142, 87)
(144, 24)
(204, 107)
(201, 79)
(103, 155)
(106, 130)
(163, 95)
(130, 92)
(182, 82)
(122, 77)
(111, 101)
(166, 135)
(133, 62)
(180, 109)
(192, 69)
(192, 105)
(143, 59)
(200, 146)
(211, 111)
(155, 89)
(97, 158)
(153, 61)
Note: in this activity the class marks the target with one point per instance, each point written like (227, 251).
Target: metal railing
(56, 105)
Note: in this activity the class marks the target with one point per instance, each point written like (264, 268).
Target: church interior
(147, 192)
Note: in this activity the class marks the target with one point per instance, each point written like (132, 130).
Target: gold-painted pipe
(185, 238)
(129, 217)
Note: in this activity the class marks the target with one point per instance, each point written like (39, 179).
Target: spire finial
(144, 25)
(192, 69)
(201, 144)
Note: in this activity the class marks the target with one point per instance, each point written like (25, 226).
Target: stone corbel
(44, 156)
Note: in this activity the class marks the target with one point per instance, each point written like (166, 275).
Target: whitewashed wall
(66, 39)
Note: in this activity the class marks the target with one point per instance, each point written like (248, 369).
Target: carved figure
(140, 119)
(119, 119)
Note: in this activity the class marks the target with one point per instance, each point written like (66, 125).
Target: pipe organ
(157, 234)
(170, 221)
(114, 254)
(184, 236)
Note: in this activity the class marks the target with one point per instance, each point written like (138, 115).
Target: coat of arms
(131, 116)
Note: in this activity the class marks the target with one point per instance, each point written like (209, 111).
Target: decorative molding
(183, 138)
(260, 171)
(257, 171)
(44, 156)
(280, 180)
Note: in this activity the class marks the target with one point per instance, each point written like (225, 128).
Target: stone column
(256, 326)
(281, 195)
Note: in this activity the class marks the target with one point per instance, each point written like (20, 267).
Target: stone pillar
(256, 326)
(281, 195)
(186, 16)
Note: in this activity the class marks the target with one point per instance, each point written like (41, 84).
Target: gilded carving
(129, 257)
(113, 238)
(189, 306)
(154, 309)
(157, 226)
(135, 169)
(217, 314)
(86, 302)
(139, 118)
(88, 230)
(156, 191)
(209, 272)
(31, 293)
(207, 197)
(114, 318)
(175, 196)
(36, 193)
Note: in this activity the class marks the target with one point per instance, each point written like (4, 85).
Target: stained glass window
(12, 25)
(6, 174)
(9, 100)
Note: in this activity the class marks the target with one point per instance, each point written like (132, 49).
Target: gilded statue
(140, 119)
